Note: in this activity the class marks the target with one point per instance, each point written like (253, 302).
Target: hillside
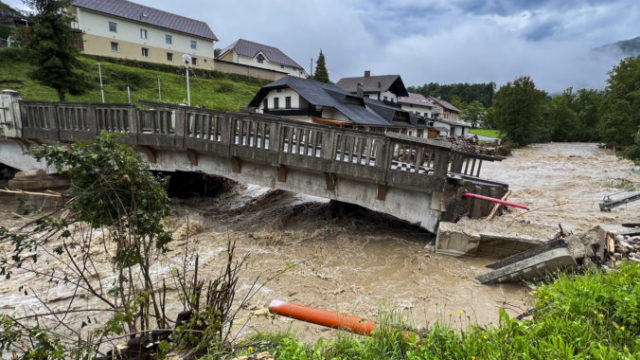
(224, 92)
(623, 48)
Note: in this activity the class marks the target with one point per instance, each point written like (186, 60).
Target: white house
(262, 56)
(416, 104)
(123, 29)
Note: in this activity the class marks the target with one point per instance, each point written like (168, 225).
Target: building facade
(416, 104)
(445, 109)
(126, 30)
(261, 56)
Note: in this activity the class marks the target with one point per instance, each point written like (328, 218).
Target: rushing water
(360, 262)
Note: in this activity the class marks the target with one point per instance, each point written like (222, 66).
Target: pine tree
(321, 75)
(50, 43)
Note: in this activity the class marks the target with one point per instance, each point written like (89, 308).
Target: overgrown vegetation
(224, 93)
(116, 208)
(591, 316)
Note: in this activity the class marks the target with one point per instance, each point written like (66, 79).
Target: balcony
(294, 112)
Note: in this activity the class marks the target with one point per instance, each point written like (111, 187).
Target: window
(168, 39)
(194, 44)
(194, 61)
(276, 103)
(145, 52)
(420, 133)
(113, 27)
(169, 56)
(143, 34)
(260, 58)
(265, 104)
(287, 102)
(114, 47)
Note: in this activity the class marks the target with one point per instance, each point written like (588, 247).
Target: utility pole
(159, 90)
(187, 60)
(101, 86)
(129, 94)
(311, 67)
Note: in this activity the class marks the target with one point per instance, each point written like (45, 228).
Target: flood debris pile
(595, 248)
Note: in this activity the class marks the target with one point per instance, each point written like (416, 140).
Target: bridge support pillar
(282, 173)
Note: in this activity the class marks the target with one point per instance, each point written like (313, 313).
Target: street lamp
(187, 60)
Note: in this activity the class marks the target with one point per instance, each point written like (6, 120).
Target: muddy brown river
(359, 262)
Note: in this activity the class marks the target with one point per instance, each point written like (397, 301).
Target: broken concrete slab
(531, 269)
(587, 247)
(453, 239)
(528, 253)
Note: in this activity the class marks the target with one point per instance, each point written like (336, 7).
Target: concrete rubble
(594, 248)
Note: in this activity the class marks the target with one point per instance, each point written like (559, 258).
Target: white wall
(98, 24)
(380, 96)
(412, 108)
(281, 94)
(266, 64)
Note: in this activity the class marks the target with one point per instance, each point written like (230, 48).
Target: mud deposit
(360, 262)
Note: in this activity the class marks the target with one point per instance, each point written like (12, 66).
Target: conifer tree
(321, 75)
(50, 43)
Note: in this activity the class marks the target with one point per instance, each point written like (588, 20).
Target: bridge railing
(381, 158)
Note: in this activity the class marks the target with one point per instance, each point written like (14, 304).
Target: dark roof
(359, 110)
(415, 99)
(444, 104)
(251, 49)
(148, 15)
(370, 84)
(453, 123)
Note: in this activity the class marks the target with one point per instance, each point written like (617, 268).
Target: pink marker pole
(487, 198)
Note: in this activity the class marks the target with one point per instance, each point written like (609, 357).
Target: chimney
(359, 90)
(367, 73)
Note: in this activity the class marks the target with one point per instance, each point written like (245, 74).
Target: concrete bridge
(417, 180)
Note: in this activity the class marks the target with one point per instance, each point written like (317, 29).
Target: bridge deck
(387, 161)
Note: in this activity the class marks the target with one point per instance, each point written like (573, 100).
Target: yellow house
(126, 30)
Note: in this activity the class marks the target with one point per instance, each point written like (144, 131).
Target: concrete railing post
(10, 122)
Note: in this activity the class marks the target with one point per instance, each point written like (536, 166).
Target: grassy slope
(224, 94)
(591, 316)
(486, 132)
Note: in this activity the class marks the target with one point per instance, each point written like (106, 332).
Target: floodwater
(360, 262)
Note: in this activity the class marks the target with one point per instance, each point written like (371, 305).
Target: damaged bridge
(417, 180)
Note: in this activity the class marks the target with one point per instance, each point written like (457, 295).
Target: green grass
(591, 316)
(217, 93)
(486, 132)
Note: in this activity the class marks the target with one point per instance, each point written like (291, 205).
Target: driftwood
(497, 206)
(22, 192)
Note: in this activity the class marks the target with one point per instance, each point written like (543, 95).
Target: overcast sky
(443, 41)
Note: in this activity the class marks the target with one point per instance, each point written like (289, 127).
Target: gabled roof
(147, 15)
(251, 49)
(360, 110)
(415, 99)
(378, 83)
(446, 105)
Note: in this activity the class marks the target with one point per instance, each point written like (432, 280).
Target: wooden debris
(497, 206)
(52, 194)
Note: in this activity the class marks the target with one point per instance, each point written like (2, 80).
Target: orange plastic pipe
(326, 318)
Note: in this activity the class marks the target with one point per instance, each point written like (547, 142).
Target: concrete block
(530, 269)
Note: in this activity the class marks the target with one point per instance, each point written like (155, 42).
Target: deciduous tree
(517, 111)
